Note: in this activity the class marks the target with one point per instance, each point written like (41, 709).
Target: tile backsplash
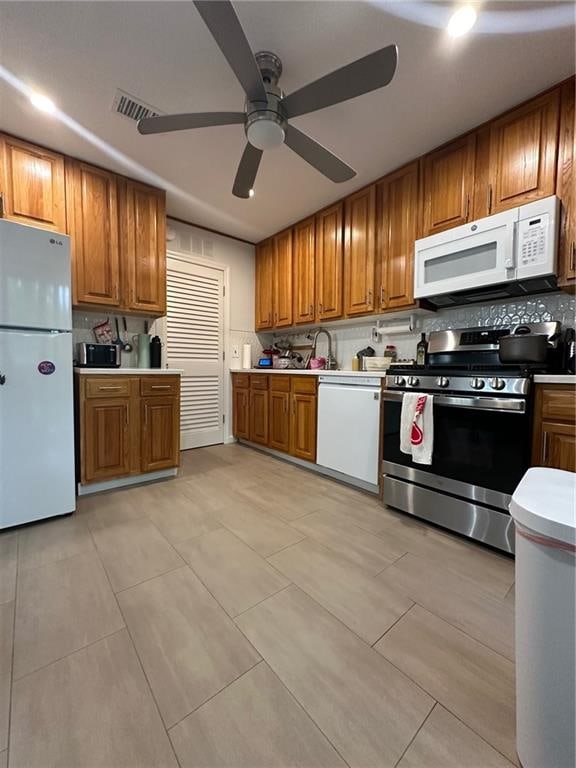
(84, 322)
(348, 339)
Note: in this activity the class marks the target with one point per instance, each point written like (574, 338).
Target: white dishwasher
(349, 425)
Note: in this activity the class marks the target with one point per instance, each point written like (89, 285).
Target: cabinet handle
(489, 199)
(545, 448)
(294, 406)
(382, 295)
(160, 386)
(573, 257)
(275, 318)
(321, 308)
(101, 388)
(286, 406)
(145, 415)
(467, 207)
(1, 206)
(369, 298)
(311, 310)
(127, 416)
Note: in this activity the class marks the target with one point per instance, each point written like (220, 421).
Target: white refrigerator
(36, 388)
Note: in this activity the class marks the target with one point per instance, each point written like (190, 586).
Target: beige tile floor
(250, 614)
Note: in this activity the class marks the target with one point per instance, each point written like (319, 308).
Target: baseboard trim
(315, 468)
(121, 482)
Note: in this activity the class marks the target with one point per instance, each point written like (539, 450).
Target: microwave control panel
(532, 240)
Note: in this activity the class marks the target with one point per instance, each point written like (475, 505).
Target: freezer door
(34, 278)
(36, 426)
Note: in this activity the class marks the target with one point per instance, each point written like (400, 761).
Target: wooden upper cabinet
(143, 247)
(329, 263)
(32, 185)
(283, 279)
(303, 258)
(264, 293)
(396, 228)
(448, 185)
(359, 251)
(92, 214)
(523, 146)
(565, 188)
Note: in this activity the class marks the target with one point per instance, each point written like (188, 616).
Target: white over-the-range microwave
(512, 253)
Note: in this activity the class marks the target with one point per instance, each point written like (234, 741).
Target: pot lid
(545, 502)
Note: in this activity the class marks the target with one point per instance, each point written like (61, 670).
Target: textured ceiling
(79, 53)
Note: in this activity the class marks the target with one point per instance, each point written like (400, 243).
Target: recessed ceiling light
(462, 21)
(43, 103)
(251, 193)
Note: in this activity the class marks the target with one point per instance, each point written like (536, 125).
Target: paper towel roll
(247, 356)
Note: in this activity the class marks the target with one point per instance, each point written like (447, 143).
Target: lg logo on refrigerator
(55, 242)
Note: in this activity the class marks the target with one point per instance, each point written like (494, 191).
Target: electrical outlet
(235, 351)
(375, 334)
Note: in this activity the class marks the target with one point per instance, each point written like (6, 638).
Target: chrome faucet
(331, 363)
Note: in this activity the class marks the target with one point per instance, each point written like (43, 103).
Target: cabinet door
(283, 279)
(279, 424)
(92, 214)
(241, 413)
(448, 185)
(259, 416)
(32, 185)
(397, 208)
(329, 263)
(566, 188)
(160, 434)
(523, 147)
(303, 426)
(106, 439)
(304, 272)
(143, 247)
(264, 310)
(359, 251)
(558, 446)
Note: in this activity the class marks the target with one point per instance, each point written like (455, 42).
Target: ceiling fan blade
(362, 76)
(315, 154)
(222, 21)
(167, 123)
(247, 170)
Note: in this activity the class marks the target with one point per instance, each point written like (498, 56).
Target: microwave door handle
(511, 248)
(510, 405)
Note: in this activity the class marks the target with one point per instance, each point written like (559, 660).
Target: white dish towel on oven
(417, 427)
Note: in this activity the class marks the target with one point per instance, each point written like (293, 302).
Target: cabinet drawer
(559, 403)
(259, 381)
(280, 383)
(159, 385)
(107, 386)
(304, 385)
(240, 380)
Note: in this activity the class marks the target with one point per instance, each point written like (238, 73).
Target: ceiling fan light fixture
(265, 133)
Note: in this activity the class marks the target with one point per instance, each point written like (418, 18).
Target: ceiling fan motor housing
(265, 121)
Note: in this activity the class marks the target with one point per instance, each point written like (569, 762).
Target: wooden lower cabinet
(107, 439)
(554, 437)
(160, 433)
(123, 428)
(277, 411)
(259, 416)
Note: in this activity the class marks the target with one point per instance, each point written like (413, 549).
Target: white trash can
(544, 509)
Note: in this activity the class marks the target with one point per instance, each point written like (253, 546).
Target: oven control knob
(413, 381)
(442, 381)
(400, 381)
(497, 383)
(477, 383)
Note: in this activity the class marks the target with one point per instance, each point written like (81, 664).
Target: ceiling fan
(268, 110)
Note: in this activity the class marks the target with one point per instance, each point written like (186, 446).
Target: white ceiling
(79, 53)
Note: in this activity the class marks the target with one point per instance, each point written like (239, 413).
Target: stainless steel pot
(522, 346)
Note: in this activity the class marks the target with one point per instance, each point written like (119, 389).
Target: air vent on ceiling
(134, 109)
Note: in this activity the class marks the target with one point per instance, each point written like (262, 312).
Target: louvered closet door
(195, 343)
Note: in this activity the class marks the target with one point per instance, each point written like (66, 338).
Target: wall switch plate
(235, 351)
(375, 334)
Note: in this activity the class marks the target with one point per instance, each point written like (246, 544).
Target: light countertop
(131, 371)
(309, 372)
(555, 378)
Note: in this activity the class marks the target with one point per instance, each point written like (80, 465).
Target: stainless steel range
(482, 431)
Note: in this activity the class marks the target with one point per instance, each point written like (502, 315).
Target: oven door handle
(511, 405)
